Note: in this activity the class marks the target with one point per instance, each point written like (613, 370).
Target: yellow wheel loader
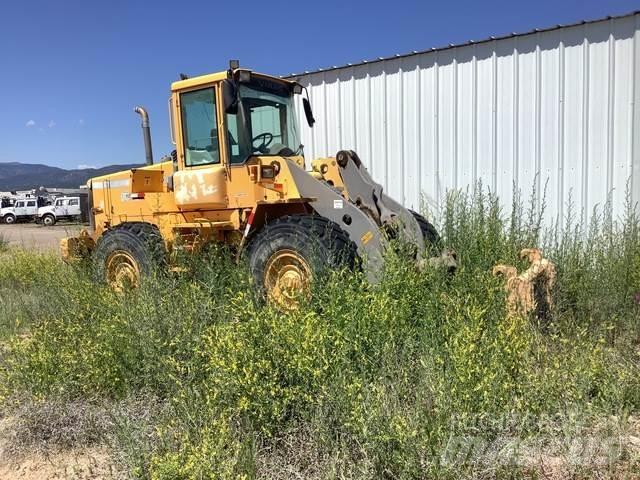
(238, 176)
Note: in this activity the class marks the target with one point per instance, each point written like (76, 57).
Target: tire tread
(148, 238)
(338, 246)
(429, 232)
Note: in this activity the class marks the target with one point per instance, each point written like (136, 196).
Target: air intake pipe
(146, 133)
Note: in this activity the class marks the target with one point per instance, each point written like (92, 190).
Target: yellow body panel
(215, 194)
(147, 180)
(328, 170)
(201, 188)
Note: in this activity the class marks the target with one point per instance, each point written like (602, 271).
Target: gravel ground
(38, 237)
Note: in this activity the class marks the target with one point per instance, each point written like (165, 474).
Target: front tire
(10, 219)
(430, 235)
(48, 220)
(289, 252)
(127, 253)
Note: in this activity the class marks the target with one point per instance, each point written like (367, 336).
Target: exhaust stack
(146, 134)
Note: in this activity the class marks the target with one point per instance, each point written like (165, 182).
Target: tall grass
(420, 376)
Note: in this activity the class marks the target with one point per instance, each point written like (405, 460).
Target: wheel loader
(237, 176)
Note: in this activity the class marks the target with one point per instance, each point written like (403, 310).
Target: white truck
(22, 209)
(63, 208)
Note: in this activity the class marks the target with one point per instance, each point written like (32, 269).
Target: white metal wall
(559, 106)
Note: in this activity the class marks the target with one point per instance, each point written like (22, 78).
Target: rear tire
(48, 220)
(127, 253)
(10, 219)
(430, 235)
(290, 251)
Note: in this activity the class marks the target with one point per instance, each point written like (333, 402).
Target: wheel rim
(122, 271)
(287, 277)
(48, 221)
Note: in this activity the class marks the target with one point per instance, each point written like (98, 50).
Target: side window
(58, 203)
(74, 201)
(31, 204)
(200, 128)
(19, 204)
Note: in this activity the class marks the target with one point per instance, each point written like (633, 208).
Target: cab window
(266, 120)
(31, 204)
(200, 128)
(73, 201)
(264, 124)
(19, 204)
(59, 203)
(265, 128)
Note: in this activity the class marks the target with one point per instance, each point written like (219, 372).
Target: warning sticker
(338, 204)
(366, 237)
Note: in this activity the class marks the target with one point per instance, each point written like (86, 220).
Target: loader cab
(227, 118)
(224, 124)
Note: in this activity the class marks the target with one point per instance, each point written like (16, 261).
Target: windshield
(265, 123)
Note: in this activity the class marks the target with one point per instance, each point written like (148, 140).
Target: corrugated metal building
(559, 105)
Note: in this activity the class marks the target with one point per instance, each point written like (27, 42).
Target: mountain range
(26, 176)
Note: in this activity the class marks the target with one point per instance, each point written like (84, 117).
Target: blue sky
(72, 70)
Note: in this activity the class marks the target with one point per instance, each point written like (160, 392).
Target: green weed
(422, 375)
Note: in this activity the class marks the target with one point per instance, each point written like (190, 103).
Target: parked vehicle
(237, 176)
(64, 208)
(22, 209)
(6, 202)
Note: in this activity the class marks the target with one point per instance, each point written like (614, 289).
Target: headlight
(268, 172)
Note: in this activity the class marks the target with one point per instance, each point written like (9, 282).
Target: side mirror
(308, 112)
(230, 97)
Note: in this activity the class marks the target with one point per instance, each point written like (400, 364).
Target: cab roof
(200, 80)
(216, 77)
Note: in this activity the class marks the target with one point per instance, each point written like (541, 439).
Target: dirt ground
(79, 464)
(38, 237)
(91, 463)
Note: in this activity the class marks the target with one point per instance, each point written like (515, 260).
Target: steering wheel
(267, 138)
